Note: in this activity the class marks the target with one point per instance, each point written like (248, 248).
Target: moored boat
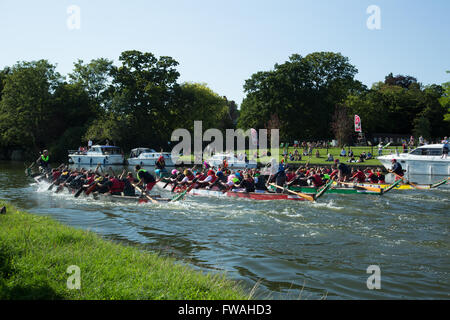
(426, 159)
(148, 157)
(105, 155)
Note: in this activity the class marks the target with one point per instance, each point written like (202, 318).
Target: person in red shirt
(380, 175)
(316, 179)
(359, 176)
(371, 176)
(289, 175)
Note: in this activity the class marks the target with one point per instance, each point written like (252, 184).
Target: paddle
(324, 189)
(305, 196)
(437, 184)
(28, 169)
(90, 188)
(355, 185)
(182, 194)
(144, 193)
(392, 186)
(406, 181)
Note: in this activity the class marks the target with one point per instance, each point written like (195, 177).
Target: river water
(286, 249)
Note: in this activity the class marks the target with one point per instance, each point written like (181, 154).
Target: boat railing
(79, 152)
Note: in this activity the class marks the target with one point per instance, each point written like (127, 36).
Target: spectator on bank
(350, 153)
(343, 152)
(330, 157)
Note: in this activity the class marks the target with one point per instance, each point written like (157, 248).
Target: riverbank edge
(43, 259)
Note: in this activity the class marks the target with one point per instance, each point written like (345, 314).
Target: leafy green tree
(400, 105)
(26, 106)
(195, 101)
(95, 77)
(141, 96)
(445, 101)
(302, 92)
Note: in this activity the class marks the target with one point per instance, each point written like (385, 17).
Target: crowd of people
(96, 180)
(255, 180)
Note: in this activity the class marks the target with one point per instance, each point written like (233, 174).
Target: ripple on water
(292, 249)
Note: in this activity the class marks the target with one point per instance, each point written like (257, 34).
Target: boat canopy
(137, 151)
(428, 150)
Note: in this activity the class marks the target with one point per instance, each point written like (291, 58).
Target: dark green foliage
(140, 102)
(302, 92)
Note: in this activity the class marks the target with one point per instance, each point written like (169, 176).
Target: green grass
(313, 160)
(36, 251)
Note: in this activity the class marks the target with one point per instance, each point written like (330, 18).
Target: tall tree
(302, 92)
(26, 107)
(95, 77)
(141, 94)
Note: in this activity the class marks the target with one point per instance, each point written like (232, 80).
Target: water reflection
(289, 249)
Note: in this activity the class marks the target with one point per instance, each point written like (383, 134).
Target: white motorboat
(233, 161)
(148, 157)
(105, 155)
(426, 159)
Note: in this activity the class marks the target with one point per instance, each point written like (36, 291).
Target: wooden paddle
(354, 184)
(144, 193)
(439, 183)
(392, 186)
(182, 194)
(407, 182)
(303, 195)
(323, 189)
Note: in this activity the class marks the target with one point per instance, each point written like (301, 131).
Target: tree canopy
(140, 101)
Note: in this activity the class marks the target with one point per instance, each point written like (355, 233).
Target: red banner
(357, 123)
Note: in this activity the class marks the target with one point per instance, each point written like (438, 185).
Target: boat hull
(265, 196)
(333, 190)
(147, 162)
(418, 165)
(93, 160)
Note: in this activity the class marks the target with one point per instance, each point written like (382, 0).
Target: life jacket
(334, 173)
(44, 161)
(117, 185)
(147, 177)
(317, 180)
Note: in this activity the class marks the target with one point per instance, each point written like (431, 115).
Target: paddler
(145, 177)
(43, 162)
(397, 169)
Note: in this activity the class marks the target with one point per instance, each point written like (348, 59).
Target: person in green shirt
(43, 161)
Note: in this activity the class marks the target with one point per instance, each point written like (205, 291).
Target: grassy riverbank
(36, 251)
(321, 157)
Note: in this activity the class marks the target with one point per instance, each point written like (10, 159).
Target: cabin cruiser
(426, 159)
(148, 157)
(233, 161)
(105, 155)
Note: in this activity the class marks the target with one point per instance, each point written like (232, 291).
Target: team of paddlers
(222, 178)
